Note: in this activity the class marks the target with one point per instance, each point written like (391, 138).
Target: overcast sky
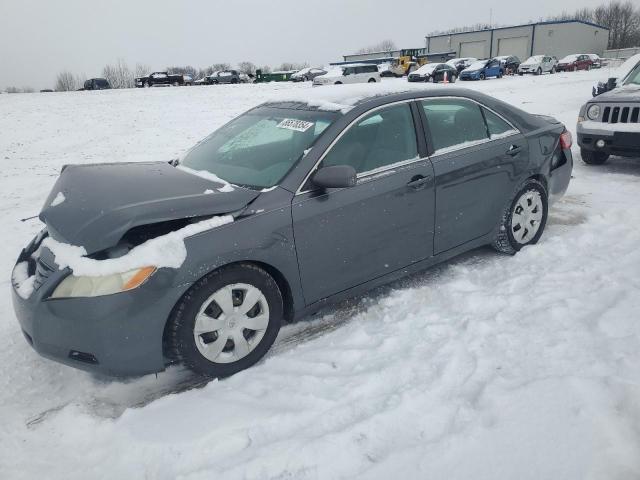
(39, 38)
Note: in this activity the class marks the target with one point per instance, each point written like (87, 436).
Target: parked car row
(353, 73)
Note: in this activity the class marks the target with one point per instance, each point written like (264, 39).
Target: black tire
(539, 71)
(483, 76)
(453, 79)
(504, 241)
(176, 84)
(593, 158)
(553, 70)
(500, 74)
(181, 342)
(147, 84)
(520, 73)
(234, 81)
(371, 80)
(338, 83)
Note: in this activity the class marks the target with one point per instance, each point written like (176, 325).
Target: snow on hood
(479, 65)
(568, 59)
(426, 69)
(533, 60)
(625, 93)
(104, 201)
(343, 98)
(167, 250)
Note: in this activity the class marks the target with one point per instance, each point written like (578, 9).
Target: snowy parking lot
(486, 367)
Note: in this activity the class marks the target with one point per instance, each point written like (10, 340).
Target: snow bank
(165, 251)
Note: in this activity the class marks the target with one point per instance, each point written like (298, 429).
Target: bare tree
(288, 66)
(383, 46)
(119, 75)
(188, 70)
(247, 67)
(221, 66)
(13, 90)
(265, 69)
(142, 70)
(66, 82)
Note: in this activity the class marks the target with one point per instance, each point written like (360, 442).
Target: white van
(354, 73)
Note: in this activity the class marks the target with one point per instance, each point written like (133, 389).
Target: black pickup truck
(163, 78)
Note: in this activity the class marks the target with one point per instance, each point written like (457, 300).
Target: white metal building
(558, 38)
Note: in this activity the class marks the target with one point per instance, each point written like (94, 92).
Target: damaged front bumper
(119, 334)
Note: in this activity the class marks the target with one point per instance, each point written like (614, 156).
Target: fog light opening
(83, 357)
(600, 143)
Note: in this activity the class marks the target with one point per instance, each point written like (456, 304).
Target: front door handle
(514, 150)
(419, 181)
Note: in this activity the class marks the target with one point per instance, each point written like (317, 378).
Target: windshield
(535, 59)
(634, 77)
(477, 65)
(258, 148)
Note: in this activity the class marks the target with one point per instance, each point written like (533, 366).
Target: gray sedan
(283, 210)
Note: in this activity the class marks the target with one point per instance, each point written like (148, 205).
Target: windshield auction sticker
(297, 125)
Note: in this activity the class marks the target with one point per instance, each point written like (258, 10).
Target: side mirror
(611, 83)
(336, 176)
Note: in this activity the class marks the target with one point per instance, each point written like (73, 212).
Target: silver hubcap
(231, 323)
(526, 218)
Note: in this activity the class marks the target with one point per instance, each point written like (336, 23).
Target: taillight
(565, 140)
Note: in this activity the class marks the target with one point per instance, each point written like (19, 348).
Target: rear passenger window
(454, 123)
(497, 127)
(382, 138)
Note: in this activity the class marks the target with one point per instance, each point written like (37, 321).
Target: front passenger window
(384, 137)
(454, 122)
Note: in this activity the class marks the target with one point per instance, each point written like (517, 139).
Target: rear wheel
(593, 158)
(523, 221)
(146, 85)
(227, 321)
(338, 83)
(453, 79)
(372, 80)
(553, 70)
(176, 84)
(539, 71)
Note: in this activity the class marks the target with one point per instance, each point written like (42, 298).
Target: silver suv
(609, 124)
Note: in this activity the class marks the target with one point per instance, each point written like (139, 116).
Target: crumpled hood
(93, 206)
(626, 93)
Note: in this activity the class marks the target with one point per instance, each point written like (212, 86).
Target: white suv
(354, 73)
(538, 64)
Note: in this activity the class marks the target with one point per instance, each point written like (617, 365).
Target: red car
(571, 63)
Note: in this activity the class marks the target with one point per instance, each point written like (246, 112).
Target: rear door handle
(514, 150)
(419, 181)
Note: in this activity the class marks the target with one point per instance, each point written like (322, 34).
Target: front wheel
(524, 220)
(553, 70)
(453, 79)
(593, 158)
(539, 71)
(176, 84)
(146, 85)
(483, 76)
(227, 321)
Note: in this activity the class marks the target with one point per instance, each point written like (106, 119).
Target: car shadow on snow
(619, 165)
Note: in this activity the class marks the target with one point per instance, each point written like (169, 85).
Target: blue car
(482, 69)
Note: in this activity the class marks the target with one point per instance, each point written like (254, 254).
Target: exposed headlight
(593, 112)
(80, 286)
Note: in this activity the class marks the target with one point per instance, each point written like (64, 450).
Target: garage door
(518, 46)
(474, 49)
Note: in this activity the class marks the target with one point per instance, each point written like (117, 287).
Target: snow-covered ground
(487, 367)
